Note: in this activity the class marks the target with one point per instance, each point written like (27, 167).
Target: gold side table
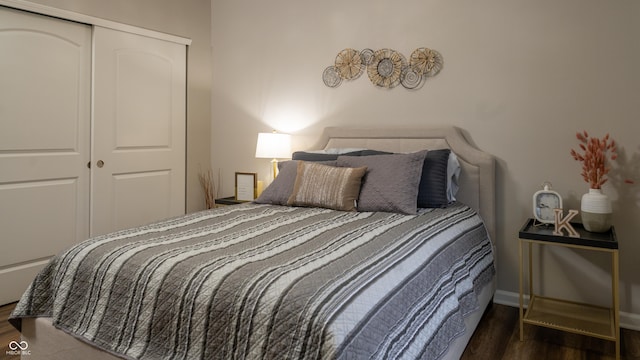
(579, 318)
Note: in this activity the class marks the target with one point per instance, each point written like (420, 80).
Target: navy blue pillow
(432, 191)
(310, 156)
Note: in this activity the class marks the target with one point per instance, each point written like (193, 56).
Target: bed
(317, 277)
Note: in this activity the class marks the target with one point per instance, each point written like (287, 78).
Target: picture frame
(246, 186)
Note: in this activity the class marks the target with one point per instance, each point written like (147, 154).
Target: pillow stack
(366, 180)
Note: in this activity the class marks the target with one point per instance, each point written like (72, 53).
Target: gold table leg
(531, 271)
(616, 300)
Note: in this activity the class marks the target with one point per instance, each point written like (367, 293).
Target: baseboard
(627, 320)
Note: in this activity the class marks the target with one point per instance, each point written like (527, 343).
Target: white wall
(520, 78)
(186, 18)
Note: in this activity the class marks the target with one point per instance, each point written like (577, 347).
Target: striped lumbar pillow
(326, 186)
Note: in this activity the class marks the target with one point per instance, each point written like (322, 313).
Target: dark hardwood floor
(497, 337)
(7, 332)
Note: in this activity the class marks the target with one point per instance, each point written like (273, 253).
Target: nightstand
(579, 318)
(231, 200)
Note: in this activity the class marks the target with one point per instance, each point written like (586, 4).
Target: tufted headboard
(477, 177)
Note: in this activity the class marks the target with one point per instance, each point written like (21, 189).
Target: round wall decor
(386, 68)
(422, 60)
(411, 79)
(349, 64)
(367, 56)
(331, 77)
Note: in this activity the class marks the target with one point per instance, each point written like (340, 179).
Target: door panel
(143, 126)
(139, 130)
(147, 206)
(27, 206)
(45, 66)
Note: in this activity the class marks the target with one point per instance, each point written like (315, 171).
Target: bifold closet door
(139, 126)
(45, 73)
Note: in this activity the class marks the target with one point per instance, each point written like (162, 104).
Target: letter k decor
(563, 223)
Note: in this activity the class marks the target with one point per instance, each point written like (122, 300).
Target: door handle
(100, 164)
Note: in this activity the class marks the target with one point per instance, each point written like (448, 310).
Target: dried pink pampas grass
(595, 154)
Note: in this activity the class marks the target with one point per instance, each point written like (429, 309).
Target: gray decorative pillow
(327, 186)
(278, 192)
(391, 182)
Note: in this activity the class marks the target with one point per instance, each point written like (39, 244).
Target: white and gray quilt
(271, 282)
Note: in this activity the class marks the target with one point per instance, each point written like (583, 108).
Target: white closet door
(45, 69)
(138, 158)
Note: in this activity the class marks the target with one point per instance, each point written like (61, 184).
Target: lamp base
(274, 164)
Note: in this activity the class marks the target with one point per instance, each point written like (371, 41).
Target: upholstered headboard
(477, 178)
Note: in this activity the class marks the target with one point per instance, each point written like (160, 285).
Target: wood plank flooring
(497, 337)
(7, 332)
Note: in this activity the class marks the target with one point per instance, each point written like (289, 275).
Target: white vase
(596, 211)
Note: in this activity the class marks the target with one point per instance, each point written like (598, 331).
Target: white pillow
(453, 174)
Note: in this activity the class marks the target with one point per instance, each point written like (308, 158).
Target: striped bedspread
(271, 282)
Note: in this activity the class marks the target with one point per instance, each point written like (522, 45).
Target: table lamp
(273, 146)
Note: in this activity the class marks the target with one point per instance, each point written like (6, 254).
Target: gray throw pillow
(391, 182)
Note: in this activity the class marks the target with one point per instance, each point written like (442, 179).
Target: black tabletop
(544, 232)
(231, 200)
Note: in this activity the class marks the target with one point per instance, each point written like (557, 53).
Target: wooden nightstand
(231, 200)
(579, 318)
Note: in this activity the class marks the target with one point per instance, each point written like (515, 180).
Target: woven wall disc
(386, 67)
(349, 64)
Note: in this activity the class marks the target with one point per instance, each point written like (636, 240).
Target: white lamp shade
(273, 146)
